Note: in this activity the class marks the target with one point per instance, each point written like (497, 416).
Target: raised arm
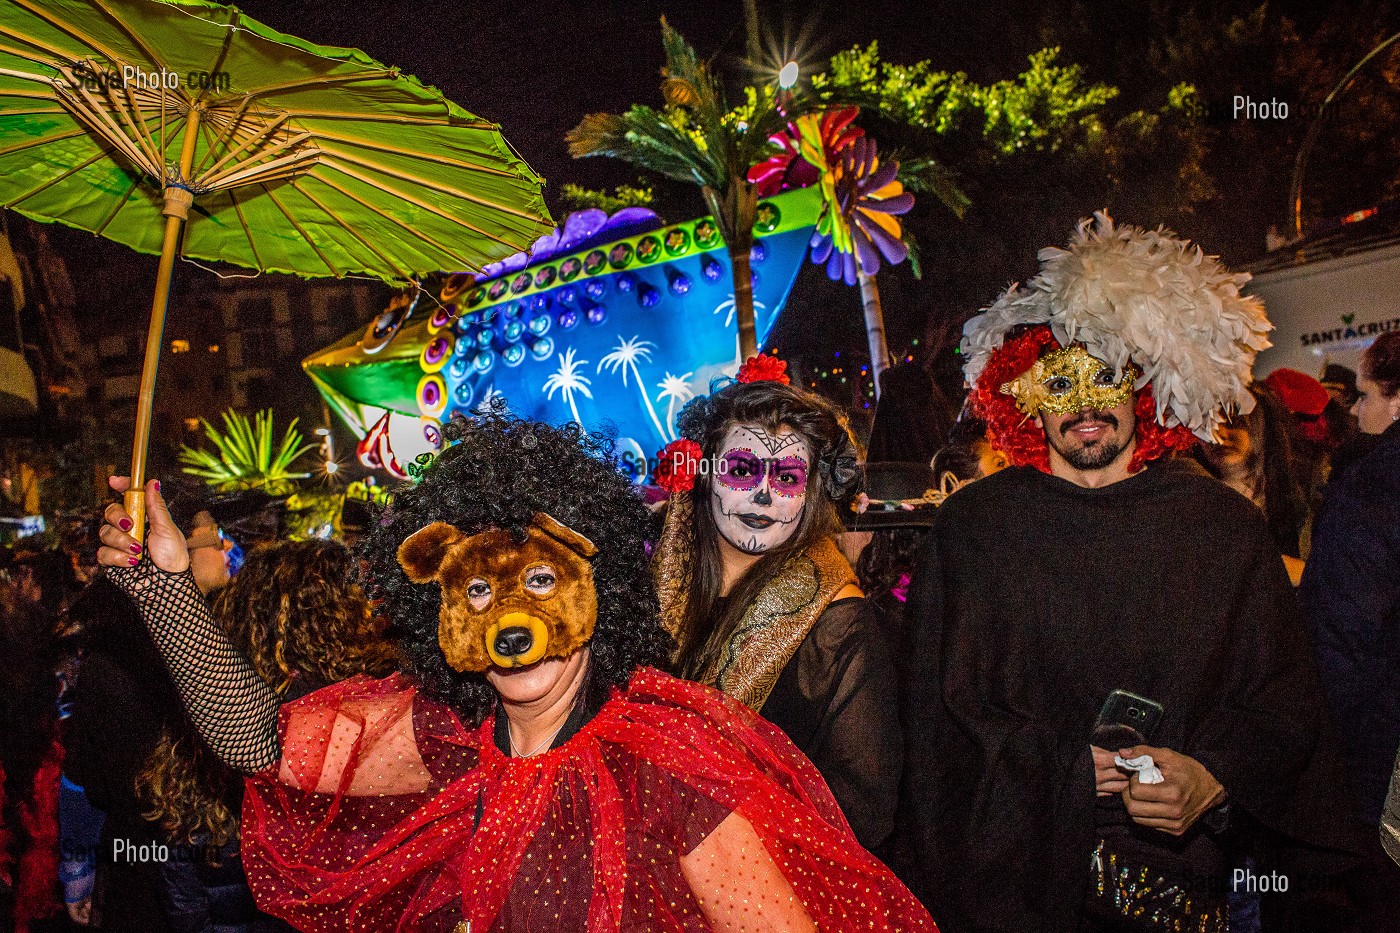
(233, 709)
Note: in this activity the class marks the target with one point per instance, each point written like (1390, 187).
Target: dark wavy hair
(1381, 362)
(498, 474)
(1272, 465)
(297, 610)
(704, 631)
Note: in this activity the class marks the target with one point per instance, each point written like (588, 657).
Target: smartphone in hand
(1125, 720)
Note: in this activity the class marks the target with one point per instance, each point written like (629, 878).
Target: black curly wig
(499, 474)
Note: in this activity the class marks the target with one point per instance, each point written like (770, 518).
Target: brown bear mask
(506, 604)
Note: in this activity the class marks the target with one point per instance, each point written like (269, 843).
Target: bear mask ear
(422, 552)
(565, 535)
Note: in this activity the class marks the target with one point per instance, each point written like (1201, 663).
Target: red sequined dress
(673, 809)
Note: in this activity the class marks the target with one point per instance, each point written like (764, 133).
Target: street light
(787, 77)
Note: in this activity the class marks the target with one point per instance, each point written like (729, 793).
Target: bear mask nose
(514, 641)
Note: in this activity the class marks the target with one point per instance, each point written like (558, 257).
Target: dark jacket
(1351, 593)
(124, 701)
(1034, 600)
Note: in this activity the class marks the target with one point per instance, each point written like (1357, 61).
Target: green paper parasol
(138, 119)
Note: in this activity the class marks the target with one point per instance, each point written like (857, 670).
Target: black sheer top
(836, 700)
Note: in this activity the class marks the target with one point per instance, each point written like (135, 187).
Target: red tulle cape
(588, 836)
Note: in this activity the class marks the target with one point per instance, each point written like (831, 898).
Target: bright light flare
(788, 74)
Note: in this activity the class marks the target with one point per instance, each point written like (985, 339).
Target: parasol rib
(97, 118)
(42, 140)
(101, 153)
(137, 135)
(151, 56)
(351, 230)
(68, 29)
(38, 79)
(251, 170)
(271, 89)
(30, 113)
(394, 220)
(29, 56)
(415, 180)
(229, 32)
(230, 134)
(213, 170)
(330, 163)
(418, 156)
(386, 118)
(247, 231)
(121, 203)
(296, 226)
(142, 121)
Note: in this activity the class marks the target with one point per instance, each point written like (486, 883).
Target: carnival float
(612, 321)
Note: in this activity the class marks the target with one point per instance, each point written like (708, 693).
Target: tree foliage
(578, 198)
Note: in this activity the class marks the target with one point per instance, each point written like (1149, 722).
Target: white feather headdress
(1147, 296)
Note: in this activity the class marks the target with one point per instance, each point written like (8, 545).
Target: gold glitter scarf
(776, 622)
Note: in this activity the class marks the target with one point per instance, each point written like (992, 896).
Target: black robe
(1035, 598)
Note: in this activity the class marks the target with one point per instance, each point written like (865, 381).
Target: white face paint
(758, 486)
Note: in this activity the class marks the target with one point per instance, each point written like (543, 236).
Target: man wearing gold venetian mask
(1100, 580)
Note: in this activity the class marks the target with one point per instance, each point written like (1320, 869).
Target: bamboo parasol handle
(177, 207)
(135, 498)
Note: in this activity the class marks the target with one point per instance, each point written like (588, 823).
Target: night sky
(537, 68)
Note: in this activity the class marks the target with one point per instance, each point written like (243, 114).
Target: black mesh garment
(233, 709)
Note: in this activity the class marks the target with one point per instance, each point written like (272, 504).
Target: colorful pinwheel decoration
(859, 226)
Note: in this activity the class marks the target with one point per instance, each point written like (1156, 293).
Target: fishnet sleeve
(233, 709)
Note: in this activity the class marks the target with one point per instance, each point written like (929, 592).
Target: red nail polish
(126, 524)
(136, 549)
(157, 485)
(133, 561)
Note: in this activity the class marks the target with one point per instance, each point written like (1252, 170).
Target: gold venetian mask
(1067, 381)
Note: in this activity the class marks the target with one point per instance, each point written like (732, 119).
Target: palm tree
(697, 139)
(567, 379)
(624, 357)
(677, 390)
(246, 458)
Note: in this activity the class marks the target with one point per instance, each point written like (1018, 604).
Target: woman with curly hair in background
(760, 598)
(297, 613)
(532, 771)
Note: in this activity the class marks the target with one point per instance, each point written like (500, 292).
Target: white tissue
(1146, 769)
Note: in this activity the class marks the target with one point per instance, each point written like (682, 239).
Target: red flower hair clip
(764, 368)
(677, 465)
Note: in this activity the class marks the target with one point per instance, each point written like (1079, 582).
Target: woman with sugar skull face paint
(760, 599)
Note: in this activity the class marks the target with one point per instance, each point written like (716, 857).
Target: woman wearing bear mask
(759, 597)
(529, 771)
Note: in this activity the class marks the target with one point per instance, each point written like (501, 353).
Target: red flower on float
(764, 368)
(677, 465)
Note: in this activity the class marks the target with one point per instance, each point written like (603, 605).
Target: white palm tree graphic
(676, 391)
(727, 306)
(624, 357)
(567, 379)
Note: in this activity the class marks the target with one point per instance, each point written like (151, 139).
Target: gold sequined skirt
(1138, 892)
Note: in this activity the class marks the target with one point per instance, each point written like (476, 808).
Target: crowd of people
(1117, 651)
